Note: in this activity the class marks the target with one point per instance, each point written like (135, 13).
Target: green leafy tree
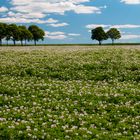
(113, 34)
(14, 32)
(2, 31)
(21, 33)
(8, 34)
(7, 38)
(24, 35)
(28, 36)
(98, 34)
(37, 33)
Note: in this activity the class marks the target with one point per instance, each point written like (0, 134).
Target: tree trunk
(0, 42)
(21, 42)
(7, 42)
(35, 42)
(25, 42)
(100, 43)
(112, 41)
(14, 42)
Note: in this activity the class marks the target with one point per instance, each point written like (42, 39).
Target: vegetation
(24, 34)
(7, 35)
(20, 33)
(113, 34)
(75, 93)
(2, 32)
(37, 33)
(14, 32)
(99, 34)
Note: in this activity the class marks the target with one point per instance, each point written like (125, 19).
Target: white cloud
(13, 17)
(3, 9)
(127, 37)
(34, 11)
(73, 34)
(26, 15)
(81, 9)
(26, 20)
(125, 26)
(58, 24)
(55, 35)
(131, 1)
(53, 6)
(51, 20)
(59, 35)
(92, 26)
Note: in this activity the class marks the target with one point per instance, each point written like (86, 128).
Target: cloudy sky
(70, 21)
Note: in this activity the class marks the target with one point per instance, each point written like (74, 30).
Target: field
(73, 92)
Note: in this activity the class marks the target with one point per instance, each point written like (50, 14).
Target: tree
(7, 38)
(37, 33)
(28, 36)
(8, 34)
(21, 33)
(25, 34)
(13, 32)
(113, 34)
(98, 34)
(2, 31)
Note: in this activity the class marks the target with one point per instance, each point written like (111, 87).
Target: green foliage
(20, 33)
(98, 34)
(113, 34)
(13, 32)
(37, 33)
(77, 93)
(24, 34)
(2, 31)
(8, 34)
(27, 36)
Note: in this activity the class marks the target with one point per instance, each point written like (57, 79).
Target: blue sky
(70, 21)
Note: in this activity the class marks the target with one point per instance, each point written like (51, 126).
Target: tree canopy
(2, 31)
(14, 32)
(113, 34)
(37, 33)
(25, 34)
(98, 34)
(20, 33)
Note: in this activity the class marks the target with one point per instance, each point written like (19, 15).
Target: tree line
(100, 35)
(20, 33)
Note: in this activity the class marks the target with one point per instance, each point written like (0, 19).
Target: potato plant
(70, 93)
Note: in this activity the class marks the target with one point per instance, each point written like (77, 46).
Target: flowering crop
(70, 93)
